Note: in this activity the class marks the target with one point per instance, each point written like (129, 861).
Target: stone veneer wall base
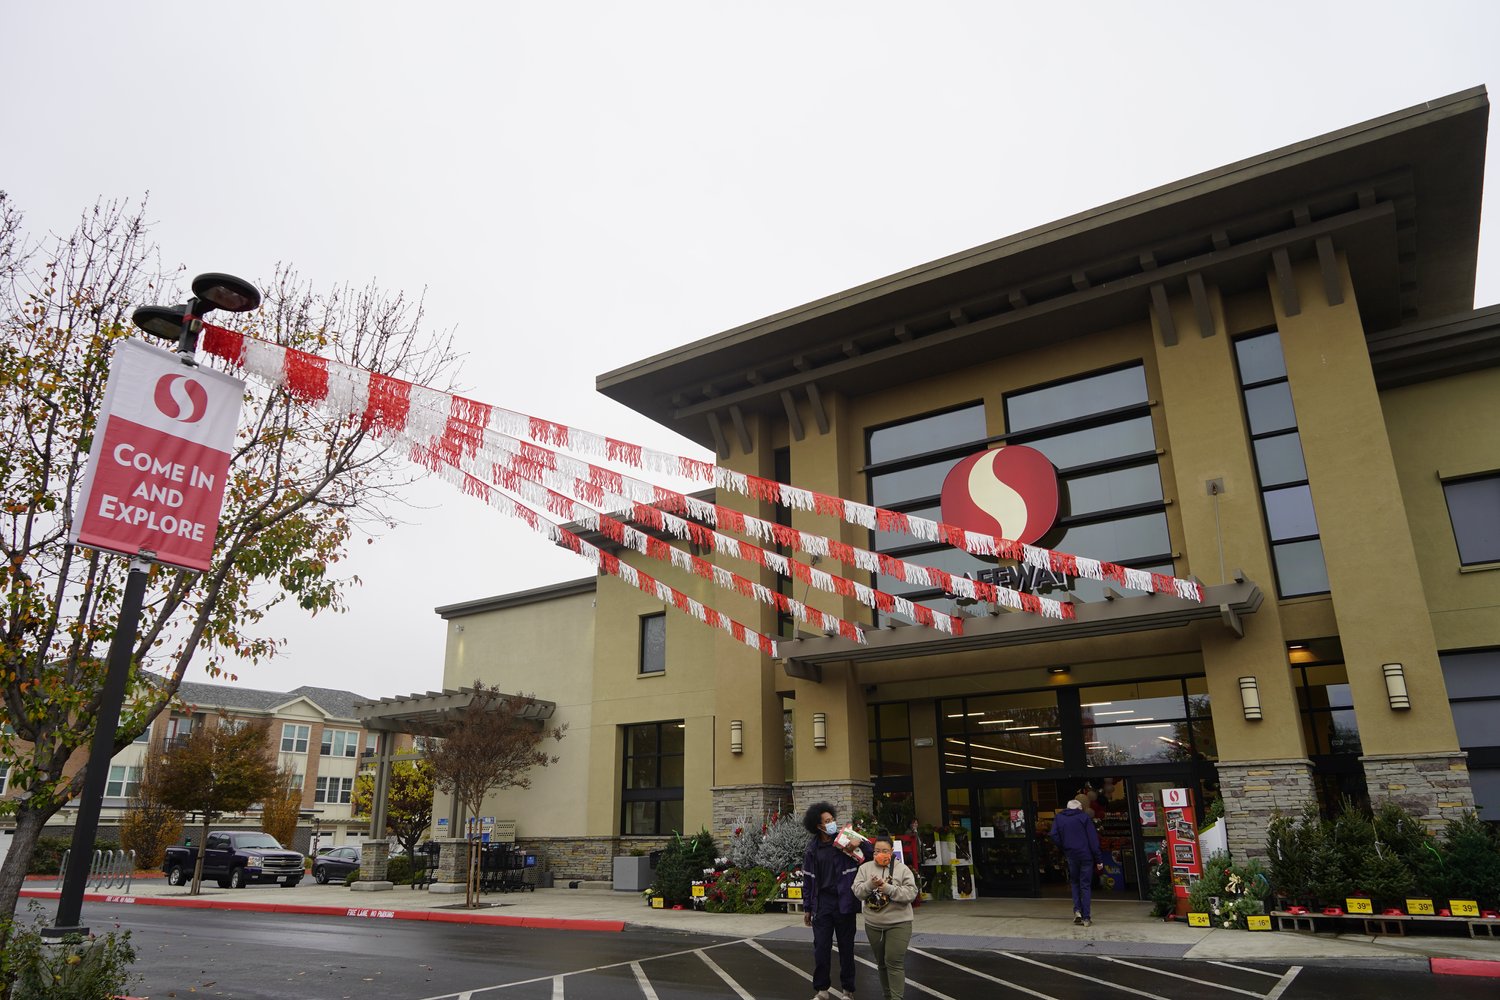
(1254, 791)
(1435, 786)
(848, 796)
(742, 805)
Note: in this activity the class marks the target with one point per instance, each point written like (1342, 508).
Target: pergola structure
(421, 715)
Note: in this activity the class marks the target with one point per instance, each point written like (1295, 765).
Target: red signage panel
(1010, 491)
(157, 469)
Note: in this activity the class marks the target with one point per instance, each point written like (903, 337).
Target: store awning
(1226, 603)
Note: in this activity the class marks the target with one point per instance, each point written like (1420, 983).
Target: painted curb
(357, 912)
(1465, 967)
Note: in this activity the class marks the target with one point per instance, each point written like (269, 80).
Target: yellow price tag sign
(1354, 904)
(657, 903)
(1420, 907)
(1197, 919)
(1464, 907)
(794, 892)
(1261, 923)
(698, 890)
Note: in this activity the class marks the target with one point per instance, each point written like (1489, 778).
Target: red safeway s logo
(178, 397)
(1010, 491)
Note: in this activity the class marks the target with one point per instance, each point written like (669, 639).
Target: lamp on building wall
(820, 730)
(736, 736)
(1250, 699)
(1395, 685)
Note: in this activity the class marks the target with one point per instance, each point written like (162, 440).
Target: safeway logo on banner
(156, 473)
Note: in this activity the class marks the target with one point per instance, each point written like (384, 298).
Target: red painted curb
(1465, 967)
(358, 912)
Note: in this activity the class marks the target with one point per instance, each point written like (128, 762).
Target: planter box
(632, 874)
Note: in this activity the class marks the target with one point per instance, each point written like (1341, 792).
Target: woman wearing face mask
(888, 888)
(828, 903)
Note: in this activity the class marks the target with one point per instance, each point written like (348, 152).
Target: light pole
(182, 324)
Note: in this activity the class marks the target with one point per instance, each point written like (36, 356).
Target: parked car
(236, 858)
(336, 864)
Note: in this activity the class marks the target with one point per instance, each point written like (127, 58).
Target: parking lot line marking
(910, 982)
(722, 974)
(777, 958)
(1178, 975)
(1081, 975)
(1283, 983)
(642, 981)
(1246, 968)
(557, 988)
(982, 975)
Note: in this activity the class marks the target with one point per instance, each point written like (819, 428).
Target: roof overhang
(1225, 604)
(1367, 191)
(426, 714)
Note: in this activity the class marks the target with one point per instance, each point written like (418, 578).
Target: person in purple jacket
(829, 906)
(1074, 834)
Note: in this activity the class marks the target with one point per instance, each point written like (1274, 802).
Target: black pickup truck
(236, 858)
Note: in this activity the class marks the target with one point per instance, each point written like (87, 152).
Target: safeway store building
(1270, 377)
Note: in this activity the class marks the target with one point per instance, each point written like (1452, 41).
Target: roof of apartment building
(338, 704)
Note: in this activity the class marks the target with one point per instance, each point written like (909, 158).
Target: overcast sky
(580, 185)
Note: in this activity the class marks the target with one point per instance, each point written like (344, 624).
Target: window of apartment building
(651, 796)
(654, 643)
(179, 728)
(1473, 681)
(1096, 430)
(1286, 496)
(4, 778)
(144, 736)
(294, 737)
(339, 790)
(907, 462)
(1474, 509)
(123, 782)
(340, 743)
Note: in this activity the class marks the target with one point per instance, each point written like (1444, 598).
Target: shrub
(1163, 893)
(398, 869)
(96, 968)
(1471, 861)
(784, 844)
(47, 858)
(683, 860)
(352, 877)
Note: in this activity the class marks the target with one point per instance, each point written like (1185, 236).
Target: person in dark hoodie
(1074, 834)
(828, 903)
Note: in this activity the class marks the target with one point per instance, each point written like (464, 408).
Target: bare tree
(217, 770)
(300, 484)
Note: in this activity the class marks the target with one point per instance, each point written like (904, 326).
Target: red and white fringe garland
(384, 403)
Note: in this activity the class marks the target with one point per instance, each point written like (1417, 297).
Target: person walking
(887, 888)
(1074, 834)
(828, 903)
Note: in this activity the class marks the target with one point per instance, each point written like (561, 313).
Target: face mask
(882, 858)
(830, 828)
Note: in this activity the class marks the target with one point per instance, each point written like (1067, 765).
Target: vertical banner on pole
(157, 469)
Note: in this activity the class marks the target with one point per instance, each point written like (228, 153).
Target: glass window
(924, 434)
(1014, 731)
(1260, 358)
(123, 782)
(334, 790)
(1107, 490)
(294, 738)
(1474, 508)
(651, 796)
(1129, 437)
(4, 778)
(340, 743)
(890, 743)
(1147, 701)
(1289, 513)
(888, 488)
(1279, 459)
(1078, 398)
(1473, 675)
(654, 643)
(1123, 540)
(1270, 408)
(1329, 725)
(1300, 568)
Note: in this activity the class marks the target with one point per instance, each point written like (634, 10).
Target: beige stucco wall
(544, 649)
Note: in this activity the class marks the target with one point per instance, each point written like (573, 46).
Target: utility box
(632, 874)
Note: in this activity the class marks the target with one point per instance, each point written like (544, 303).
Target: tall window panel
(652, 781)
(1096, 430)
(1473, 681)
(653, 643)
(907, 462)
(1286, 496)
(1474, 509)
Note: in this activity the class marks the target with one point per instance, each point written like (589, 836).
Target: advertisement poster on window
(1181, 848)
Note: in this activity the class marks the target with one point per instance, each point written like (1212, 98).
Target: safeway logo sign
(1009, 491)
(157, 470)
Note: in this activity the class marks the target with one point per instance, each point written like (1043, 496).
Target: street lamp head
(160, 321)
(225, 291)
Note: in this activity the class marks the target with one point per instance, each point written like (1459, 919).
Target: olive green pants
(889, 945)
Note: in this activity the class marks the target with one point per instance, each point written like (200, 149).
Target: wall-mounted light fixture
(736, 736)
(1395, 685)
(820, 730)
(1250, 699)
(1057, 670)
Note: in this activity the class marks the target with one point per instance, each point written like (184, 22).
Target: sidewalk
(1121, 928)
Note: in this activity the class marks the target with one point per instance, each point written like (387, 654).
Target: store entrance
(1010, 825)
